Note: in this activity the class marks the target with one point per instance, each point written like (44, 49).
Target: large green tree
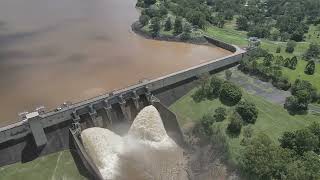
(300, 141)
(215, 84)
(264, 159)
(144, 20)
(168, 24)
(248, 111)
(155, 26)
(290, 46)
(178, 27)
(235, 124)
(242, 23)
(313, 52)
(310, 67)
(230, 94)
(220, 114)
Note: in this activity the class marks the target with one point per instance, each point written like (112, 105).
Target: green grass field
(56, 166)
(273, 119)
(229, 34)
(299, 73)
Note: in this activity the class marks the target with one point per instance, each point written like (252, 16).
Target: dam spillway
(145, 152)
(49, 132)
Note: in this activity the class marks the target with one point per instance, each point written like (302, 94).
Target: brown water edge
(69, 50)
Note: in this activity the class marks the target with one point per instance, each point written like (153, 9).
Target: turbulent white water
(145, 153)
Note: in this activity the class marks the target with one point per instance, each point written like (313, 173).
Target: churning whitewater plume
(145, 153)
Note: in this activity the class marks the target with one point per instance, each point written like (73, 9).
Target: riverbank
(138, 29)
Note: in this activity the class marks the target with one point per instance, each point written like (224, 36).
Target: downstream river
(52, 51)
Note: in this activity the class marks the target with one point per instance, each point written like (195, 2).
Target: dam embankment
(23, 142)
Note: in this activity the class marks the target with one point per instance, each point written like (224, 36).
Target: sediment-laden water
(145, 153)
(52, 51)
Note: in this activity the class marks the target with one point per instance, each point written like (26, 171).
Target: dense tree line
(296, 158)
(228, 93)
(274, 19)
(303, 93)
(269, 69)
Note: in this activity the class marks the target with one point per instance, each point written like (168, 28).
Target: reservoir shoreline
(85, 50)
(137, 28)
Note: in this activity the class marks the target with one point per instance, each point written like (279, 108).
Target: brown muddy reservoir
(52, 51)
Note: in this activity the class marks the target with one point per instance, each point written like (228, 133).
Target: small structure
(23, 116)
(247, 4)
(36, 128)
(41, 109)
(253, 43)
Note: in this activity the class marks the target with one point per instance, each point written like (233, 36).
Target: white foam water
(145, 153)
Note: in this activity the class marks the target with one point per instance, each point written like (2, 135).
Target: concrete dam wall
(49, 132)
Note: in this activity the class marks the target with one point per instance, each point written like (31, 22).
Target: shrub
(279, 60)
(168, 24)
(242, 23)
(155, 26)
(305, 141)
(215, 84)
(293, 62)
(312, 52)
(293, 105)
(163, 10)
(149, 2)
(258, 52)
(220, 114)
(282, 83)
(199, 95)
(304, 85)
(228, 74)
(144, 20)
(140, 3)
(235, 124)
(290, 46)
(247, 111)
(203, 92)
(310, 68)
(206, 121)
(303, 96)
(287, 140)
(230, 94)
(186, 35)
(267, 61)
(248, 131)
(178, 25)
(152, 11)
(278, 49)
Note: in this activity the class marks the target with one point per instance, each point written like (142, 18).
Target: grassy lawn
(231, 35)
(58, 165)
(273, 119)
(299, 73)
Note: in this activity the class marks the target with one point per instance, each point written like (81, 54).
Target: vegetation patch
(60, 165)
(272, 120)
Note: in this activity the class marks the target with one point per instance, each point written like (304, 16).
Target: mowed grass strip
(55, 166)
(272, 120)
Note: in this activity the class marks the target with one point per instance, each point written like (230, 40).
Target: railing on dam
(21, 129)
